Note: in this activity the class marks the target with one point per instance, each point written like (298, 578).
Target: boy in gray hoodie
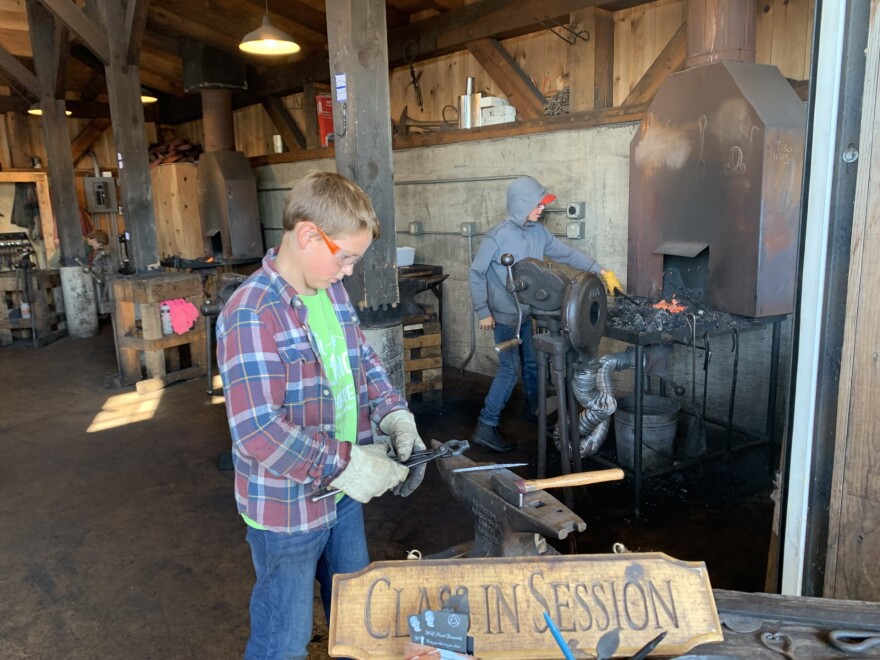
(523, 236)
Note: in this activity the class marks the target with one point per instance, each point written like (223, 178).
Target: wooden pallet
(47, 321)
(422, 358)
(167, 358)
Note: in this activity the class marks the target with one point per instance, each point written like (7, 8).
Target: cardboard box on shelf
(492, 101)
(489, 121)
(499, 111)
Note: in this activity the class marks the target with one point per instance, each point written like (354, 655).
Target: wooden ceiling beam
(166, 21)
(437, 35)
(670, 60)
(13, 104)
(282, 120)
(160, 83)
(22, 75)
(501, 23)
(507, 74)
(294, 10)
(85, 29)
(86, 138)
(135, 26)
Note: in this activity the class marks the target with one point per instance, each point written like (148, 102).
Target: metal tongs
(447, 449)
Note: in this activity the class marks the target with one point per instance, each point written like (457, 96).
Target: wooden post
(854, 507)
(358, 49)
(44, 31)
(124, 92)
(603, 75)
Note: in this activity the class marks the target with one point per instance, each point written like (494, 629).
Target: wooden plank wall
(854, 510)
(21, 137)
(784, 37)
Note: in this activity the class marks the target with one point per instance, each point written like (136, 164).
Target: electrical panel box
(100, 194)
(416, 228)
(574, 230)
(468, 228)
(575, 210)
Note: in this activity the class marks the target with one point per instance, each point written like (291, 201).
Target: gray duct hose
(593, 389)
(470, 355)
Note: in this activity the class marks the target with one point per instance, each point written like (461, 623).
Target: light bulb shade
(268, 40)
(37, 111)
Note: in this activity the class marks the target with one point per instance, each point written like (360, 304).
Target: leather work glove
(611, 282)
(401, 426)
(369, 473)
(416, 474)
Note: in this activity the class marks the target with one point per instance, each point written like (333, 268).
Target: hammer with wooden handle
(513, 489)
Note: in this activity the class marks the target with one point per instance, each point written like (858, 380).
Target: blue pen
(558, 637)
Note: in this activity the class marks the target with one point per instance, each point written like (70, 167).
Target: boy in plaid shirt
(302, 386)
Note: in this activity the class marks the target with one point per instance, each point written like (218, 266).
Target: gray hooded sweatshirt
(522, 239)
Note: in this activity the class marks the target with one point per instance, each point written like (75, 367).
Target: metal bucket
(659, 425)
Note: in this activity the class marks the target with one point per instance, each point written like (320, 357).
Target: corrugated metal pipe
(594, 390)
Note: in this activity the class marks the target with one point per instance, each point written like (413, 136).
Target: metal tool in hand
(512, 287)
(448, 448)
(409, 55)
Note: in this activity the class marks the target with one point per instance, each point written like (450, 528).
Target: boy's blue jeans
(509, 362)
(287, 566)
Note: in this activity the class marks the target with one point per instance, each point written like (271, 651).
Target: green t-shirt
(333, 354)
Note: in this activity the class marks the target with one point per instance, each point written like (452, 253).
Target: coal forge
(646, 320)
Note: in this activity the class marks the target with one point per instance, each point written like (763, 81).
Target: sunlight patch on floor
(122, 409)
(217, 386)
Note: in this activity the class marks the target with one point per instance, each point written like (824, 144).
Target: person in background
(97, 240)
(521, 235)
(302, 388)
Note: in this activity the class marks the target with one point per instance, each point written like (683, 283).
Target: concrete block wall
(443, 186)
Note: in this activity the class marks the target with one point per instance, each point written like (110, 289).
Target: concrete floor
(121, 538)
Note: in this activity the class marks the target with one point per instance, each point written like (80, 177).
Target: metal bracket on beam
(549, 23)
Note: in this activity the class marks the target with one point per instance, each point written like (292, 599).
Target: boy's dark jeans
(509, 362)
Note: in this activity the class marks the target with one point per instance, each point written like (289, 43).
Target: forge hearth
(642, 323)
(715, 173)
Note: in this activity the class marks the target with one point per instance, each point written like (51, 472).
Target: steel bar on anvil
(501, 529)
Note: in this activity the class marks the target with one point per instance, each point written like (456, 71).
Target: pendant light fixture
(147, 96)
(268, 40)
(37, 111)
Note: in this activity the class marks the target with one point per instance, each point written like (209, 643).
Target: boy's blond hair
(333, 202)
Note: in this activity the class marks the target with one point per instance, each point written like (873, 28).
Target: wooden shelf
(166, 358)
(47, 321)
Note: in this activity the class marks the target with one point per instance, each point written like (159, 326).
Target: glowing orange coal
(674, 307)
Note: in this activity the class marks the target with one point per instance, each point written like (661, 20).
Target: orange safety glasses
(344, 258)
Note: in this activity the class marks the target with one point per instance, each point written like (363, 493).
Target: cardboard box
(492, 101)
(498, 111)
(488, 121)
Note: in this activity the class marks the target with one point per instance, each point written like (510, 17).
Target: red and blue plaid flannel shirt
(279, 403)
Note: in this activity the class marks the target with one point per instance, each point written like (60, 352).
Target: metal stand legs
(552, 352)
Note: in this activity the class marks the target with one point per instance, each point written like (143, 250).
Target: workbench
(167, 358)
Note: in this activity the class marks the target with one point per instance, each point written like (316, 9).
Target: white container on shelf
(405, 256)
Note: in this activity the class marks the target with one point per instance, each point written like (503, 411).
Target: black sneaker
(489, 437)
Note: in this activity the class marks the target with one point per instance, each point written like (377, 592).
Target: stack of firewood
(179, 150)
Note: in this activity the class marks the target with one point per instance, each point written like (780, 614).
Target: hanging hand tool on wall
(409, 55)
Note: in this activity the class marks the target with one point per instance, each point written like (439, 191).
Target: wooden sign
(642, 595)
